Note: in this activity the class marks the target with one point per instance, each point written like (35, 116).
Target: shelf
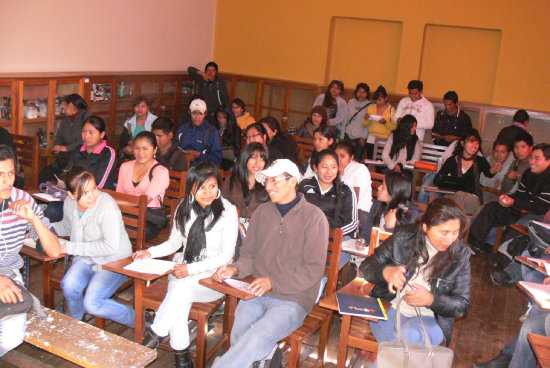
(38, 120)
(101, 102)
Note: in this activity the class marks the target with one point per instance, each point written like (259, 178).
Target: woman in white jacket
(333, 102)
(97, 236)
(141, 121)
(206, 227)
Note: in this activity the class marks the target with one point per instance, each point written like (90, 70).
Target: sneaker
(500, 278)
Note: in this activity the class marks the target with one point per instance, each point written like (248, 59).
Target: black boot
(500, 361)
(151, 340)
(183, 359)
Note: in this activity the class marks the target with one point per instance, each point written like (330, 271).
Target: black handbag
(156, 216)
(29, 301)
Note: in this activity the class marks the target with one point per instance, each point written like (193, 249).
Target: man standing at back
(212, 89)
(418, 106)
(285, 250)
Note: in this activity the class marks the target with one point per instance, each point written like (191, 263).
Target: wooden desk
(541, 346)
(433, 190)
(357, 287)
(529, 263)
(140, 279)
(233, 296)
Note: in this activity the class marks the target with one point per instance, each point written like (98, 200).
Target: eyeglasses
(248, 137)
(273, 181)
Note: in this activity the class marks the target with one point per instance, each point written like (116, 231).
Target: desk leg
(229, 317)
(47, 269)
(343, 344)
(413, 184)
(139, 289)
(432, 196)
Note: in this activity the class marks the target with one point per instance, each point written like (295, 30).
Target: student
(523, 146)
(323, 138)
(430, 265)
(200, 140)
(145, 175)
(317, 118)
(466, 163)
(501, 154)
(403, 146)
(380, 127)
(141, 121)
(333, 196)
(243, 117)
(334, 103)
(281, 141)
(353, 128)
(212, 88)
(533, 195)
(357, 176)
(520, 121)
(257, 133)
(392, 208)
(418, 106)
(206, 225)
(451, 123)
(230, 134)
(168, 154)
(94, 223)
(285, 250)
(20, 215)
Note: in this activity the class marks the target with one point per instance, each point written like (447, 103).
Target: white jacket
(341, 113)
(357, 175)
(130, 124)
(422, 110)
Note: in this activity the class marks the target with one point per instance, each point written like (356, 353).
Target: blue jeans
(12, 330)
(100, 285)
(259, 324)
(423, 196)
(520, 349)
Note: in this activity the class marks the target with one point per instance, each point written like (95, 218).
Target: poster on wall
(100, 92)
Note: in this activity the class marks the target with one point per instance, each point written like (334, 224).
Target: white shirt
(357, 175)
(422, 110)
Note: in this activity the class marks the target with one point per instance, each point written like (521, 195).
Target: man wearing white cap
(200, 140)
(285, 250)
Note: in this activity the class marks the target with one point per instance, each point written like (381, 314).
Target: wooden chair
(376, 181)
(319, 318)
(377, 237)
(176, 187)
(379, 144)
(305, 148)
(432, 153)
(224, 175)
(28, 155)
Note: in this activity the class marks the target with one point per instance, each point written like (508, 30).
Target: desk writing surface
(226, 289)
(118, 267)
(541, 346)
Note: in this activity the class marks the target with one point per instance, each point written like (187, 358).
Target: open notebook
(539, 292)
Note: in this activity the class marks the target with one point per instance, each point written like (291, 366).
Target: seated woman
(145, 175)
(393, 206)
(403, 146)
(96, 156)
(282, 142)
(353, 128)
(466, 163)
(97, 236)
(381, 124)
(141, 121)
(230, 133)
(323, 138)
(333, 196)
(334, 103)
(242, 189)
(428, 263)
(243, 117)
(318, 118)
(206, 225)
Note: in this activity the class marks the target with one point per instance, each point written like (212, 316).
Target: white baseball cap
(198, 105)
(279, 167)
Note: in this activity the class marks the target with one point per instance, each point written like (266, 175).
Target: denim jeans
(100, 287)
(520, 349)
(259, 324)
(12, 329)
(423, 196)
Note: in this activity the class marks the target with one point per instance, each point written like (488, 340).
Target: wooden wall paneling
(177, 101)
(52, 84)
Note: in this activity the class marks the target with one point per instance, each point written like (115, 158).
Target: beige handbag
(401, 354)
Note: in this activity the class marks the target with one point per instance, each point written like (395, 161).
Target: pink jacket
(153, 189)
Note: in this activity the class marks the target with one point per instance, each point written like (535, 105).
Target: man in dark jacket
(168, 154)
(212, 89)
(519, 124)
(451, 122)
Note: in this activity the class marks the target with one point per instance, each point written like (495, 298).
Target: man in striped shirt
(18, 214)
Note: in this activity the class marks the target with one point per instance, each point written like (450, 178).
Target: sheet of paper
(46, 197)
(375, 117)
(540, 292)
(349, 245)
(238, 284)
(151, 265)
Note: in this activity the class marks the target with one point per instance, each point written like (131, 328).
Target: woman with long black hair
(204, 234)
(334, 103)
(403, 146)
(230, 133)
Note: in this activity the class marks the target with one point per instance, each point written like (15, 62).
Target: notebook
(539, 292)
(361, 306)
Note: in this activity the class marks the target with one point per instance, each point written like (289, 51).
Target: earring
(219, 194)
(191, 198)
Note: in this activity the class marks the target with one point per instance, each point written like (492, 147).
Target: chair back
(28, 155)
(224, 175)
(377, 237)
(134, 215)
(432, 153)
(334, 250)
(305, 148)
(379, 144)
(176, 187)
(376, 181)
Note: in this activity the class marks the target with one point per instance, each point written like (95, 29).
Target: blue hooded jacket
(204, 139)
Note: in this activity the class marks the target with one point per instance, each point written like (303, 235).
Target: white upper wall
(105, 35)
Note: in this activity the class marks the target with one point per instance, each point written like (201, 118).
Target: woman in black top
(231, 133)
(466, 163)
(283, 142)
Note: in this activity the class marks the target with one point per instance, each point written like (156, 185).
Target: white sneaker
(526, 314)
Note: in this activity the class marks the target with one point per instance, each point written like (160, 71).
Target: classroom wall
(492, 51)
(105, 35)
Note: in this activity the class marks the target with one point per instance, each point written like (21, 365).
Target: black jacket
(446, 124)
(451, 289)
(471, 176)
(341, 213)
(213, 93)
(101, 162)
(173, 159)
(509, 134)
(533, 193)
(285, 143)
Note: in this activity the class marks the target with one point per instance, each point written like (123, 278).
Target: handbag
(156, 215)
(29, 301)
(401, 354)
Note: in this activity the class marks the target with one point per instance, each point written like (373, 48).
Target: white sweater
(401, 155)
(357, 175)
(422, 110)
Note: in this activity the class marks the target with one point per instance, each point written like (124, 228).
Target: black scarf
(196, 239)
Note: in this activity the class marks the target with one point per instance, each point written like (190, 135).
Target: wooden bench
(305, 148)
(80, 343)
(28, 155)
